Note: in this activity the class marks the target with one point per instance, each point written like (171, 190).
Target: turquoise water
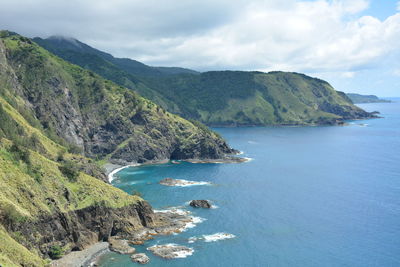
(311, 196)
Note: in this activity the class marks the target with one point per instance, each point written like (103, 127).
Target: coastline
(112, 169)
(89, 256)
(84, 258)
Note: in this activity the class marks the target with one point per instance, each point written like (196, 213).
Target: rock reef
(171, 251)
(140, 258)
(200, 204)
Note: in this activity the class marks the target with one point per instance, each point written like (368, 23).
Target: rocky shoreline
(166, 222)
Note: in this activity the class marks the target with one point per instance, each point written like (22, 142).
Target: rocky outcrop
(140, 258)
(346, 112)
(120, 246)
(200, 204)
(78, 229)
(171, 251)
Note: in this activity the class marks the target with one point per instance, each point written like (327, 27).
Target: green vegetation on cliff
(219, 97)
(359, 99)
(56, 121)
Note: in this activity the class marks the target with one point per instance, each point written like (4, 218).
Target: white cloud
(305, 36)
(348, 74)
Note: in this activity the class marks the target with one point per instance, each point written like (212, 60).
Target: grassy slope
(27, 184)
(359, 99)
(223, 97)
(30, 146)
(98, 100)
(25, 189)
(247, 98)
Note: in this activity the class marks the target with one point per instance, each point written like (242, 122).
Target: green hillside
(57, 123)
(221, 97)
(360, 99)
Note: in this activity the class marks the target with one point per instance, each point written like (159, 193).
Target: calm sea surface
(310, 196)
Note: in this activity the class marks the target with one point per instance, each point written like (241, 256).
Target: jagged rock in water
(140, 258)
(200, 204)
(120, 246)
(171, 251)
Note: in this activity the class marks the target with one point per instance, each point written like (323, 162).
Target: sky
(353, 44)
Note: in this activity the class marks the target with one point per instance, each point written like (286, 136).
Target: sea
(309, 196)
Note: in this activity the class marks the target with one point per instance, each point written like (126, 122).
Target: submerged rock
(200, 204)
(171, 251)
(140, 258)
(120, 246)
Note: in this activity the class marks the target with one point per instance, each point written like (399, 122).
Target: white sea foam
(111, 175)
(183, 253)
(248, 159)
(185, 183)
(211, 238)
(217, 236)
(191, 223)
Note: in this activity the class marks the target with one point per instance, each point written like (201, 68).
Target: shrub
(60, 155)
(136, 193)
(56, 252)
(21, 153)
(74, 149)
(12, 214)
(70, 170)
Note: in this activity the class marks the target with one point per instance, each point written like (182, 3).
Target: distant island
(360, 99)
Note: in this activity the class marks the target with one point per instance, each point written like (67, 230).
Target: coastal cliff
(59, 123)
(219, 98)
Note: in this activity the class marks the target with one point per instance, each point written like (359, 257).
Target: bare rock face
(140, 258)
(120, 246)
(200, 204)
(81, 228)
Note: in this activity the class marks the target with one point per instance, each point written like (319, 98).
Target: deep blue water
(311, 196)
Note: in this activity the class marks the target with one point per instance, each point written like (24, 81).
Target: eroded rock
(140, 258)
(120, 246)
(171, 251)
(200, 204)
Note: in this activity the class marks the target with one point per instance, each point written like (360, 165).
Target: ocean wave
(211, 238)
(111, 175)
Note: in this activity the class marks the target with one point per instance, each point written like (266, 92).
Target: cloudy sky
(353, 44)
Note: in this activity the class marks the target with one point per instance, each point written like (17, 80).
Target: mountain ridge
(231, 98)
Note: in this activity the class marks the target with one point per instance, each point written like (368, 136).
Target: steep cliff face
(56, 121)
(75, 230)
(101, 118)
